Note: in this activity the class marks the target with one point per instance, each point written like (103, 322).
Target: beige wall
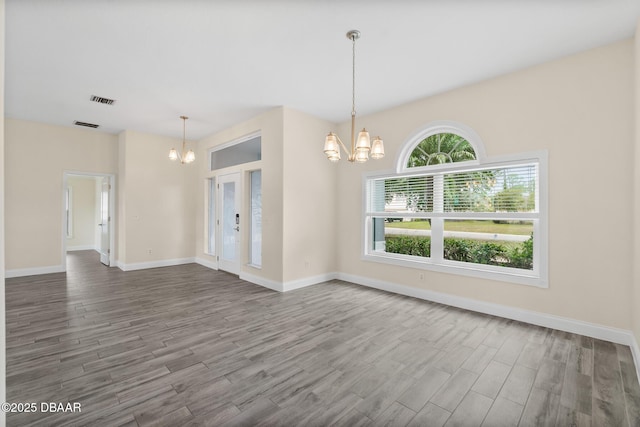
(40, 154)
(84, 213)
(579, 109)
(298, 206)
(156, 199)
(270, 125)
(309, 202)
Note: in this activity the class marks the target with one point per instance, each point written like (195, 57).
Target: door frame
(237, 177)
(112, 212)
(105, 258)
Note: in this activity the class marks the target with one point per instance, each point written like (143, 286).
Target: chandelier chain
(353, 77)
(185, 156)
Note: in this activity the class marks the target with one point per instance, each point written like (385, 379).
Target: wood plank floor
(187, 345)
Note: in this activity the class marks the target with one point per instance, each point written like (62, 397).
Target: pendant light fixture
(184, 157)
(361, 148)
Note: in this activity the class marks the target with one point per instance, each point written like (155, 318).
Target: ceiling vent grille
(85, 124)
(102, 100)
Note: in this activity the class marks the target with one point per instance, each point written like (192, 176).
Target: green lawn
(471, 226)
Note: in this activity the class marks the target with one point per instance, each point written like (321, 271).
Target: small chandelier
(363, 148)
(184, 157)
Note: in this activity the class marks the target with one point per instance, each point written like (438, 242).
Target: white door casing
(105, 222)
(230, 222)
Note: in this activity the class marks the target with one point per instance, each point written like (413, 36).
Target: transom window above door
(244, 150)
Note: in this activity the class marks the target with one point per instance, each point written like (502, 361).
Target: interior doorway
(89, 215)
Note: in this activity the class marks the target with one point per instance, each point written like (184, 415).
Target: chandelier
(361, 148)
(184, 157)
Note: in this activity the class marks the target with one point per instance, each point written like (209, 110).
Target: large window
(448, 209)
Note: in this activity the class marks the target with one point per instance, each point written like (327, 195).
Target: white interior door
(105, 222)
(229, 227)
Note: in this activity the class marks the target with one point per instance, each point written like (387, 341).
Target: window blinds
(512, 188)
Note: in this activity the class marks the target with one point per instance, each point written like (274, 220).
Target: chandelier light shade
(361, 148)
(377, 148)
(184, 156)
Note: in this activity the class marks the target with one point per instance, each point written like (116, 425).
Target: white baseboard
(267, 283)
(154, 264)
(308, 281)
(21, 272)
(287, 286)
(207, 263)
(82, 248)
(592, 330)
(272, 284)
(635, 351)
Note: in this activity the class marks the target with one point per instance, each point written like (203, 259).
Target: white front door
(229, 227)
(105, 222)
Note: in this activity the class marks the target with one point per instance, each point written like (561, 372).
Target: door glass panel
(211, 246)
(256, 218)
(229, 215)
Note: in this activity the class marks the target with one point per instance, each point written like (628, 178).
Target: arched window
(439, 144)
(439, 149)
(449, 208)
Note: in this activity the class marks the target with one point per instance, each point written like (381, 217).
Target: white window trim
(233, 142)
(228, 144)
(538, 278)
(433, 128)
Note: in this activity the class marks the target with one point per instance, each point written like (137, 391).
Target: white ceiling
(222, 62)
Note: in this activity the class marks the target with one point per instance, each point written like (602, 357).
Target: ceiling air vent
(87, 125)
(102, 100)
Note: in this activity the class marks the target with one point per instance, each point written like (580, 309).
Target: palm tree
(441, 148)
